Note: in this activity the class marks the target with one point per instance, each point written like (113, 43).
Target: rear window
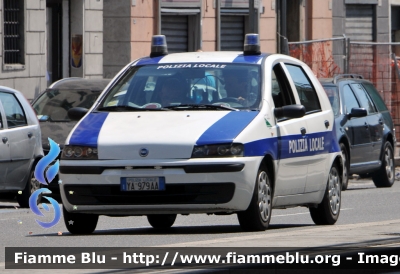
(379, 103)
(333, 95)
(53, 105)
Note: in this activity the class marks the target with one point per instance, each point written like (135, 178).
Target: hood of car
(157, 134)
(57, 131)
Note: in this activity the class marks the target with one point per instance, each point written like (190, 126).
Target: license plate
(142, 183)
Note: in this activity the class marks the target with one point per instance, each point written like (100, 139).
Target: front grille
(201, 193)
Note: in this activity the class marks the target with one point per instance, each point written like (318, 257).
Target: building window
(13, 44)
(181, 24)
(235, 21)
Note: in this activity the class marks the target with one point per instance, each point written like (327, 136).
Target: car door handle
(30, 134)
(366, 125)
(5, 139)
(326, 123)
(303, 131)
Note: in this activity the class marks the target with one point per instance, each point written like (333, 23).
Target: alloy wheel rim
(334, 191)
(389, 164)
(264, 196)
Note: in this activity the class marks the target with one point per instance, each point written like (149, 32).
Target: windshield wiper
(201, 107)
(128, 108)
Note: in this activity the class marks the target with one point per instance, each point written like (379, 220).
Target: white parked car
(20, 146)
(217, 132)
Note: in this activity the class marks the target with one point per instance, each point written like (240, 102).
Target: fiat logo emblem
(143, 152)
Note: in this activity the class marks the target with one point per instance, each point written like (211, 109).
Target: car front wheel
(31, 186)
(258, 214)
(327, 212)
(384, 177)
(79, 223)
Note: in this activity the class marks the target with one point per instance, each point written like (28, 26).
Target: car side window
(308, 96)
(379, 103)
(350, 99)
(15, 115)
(364, 98)
(282, 93)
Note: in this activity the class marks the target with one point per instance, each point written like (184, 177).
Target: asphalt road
(369, 217)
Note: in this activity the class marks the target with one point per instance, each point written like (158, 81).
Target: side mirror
(75, 114)
(357, 112)
(290, 111)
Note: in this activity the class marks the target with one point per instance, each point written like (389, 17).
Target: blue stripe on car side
(87, 133)
(252, 59)
(262, 147)
(227, 128)
(293, 146)
(149, 61)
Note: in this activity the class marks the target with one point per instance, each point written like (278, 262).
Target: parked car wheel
(384, 177)
(161, 221)
(328, 210)
(345, 159)
(258, 214)
(31, 186)
(80, 223)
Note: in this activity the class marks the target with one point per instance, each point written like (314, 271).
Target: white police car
(203, 132)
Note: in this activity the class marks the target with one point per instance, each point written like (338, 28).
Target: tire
(161, 221)
(31, 186)
(385, 176)
(258, 214)
(80, 223)
(327, 212)
(346, 162)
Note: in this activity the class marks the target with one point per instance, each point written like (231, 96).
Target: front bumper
(192, 186)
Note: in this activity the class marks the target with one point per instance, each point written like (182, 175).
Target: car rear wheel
(79, 223)
(384, 177)
(345, 160)
(258, 214)
(327, 212)
(31, 186)
(161, 221)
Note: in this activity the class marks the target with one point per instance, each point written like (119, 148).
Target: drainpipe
(158, 17)
(283, 34)
(218, 31)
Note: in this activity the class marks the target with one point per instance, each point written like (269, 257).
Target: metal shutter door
(359, 22)
(175, 28)
(232, 33)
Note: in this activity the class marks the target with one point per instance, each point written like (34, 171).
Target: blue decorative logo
(143, 152)
(51, 173)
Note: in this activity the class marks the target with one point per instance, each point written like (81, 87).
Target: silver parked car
(20, 146)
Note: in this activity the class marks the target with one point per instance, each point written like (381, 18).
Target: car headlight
(222, 150)
(79, 153)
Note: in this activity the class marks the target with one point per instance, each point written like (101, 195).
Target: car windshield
(333, 96)
(185, 86)
(53, 104)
